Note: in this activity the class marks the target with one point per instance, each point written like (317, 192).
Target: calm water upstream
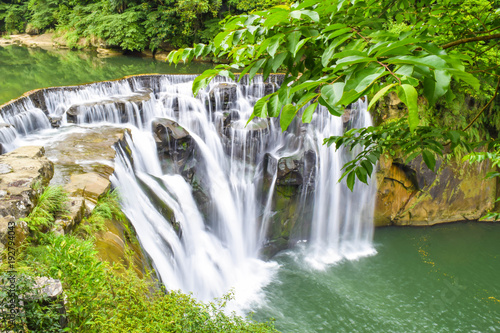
(439, 279)
(23, 69)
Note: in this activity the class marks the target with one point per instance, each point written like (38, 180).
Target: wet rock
(292, 195)
(55, 121)
(292, 170)
(160, 204)
(82, 152)
(12, 232)
(105, 109)
(223, 96)
(116, 244)
(174, 144)
(289, 171)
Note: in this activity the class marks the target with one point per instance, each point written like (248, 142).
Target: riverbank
(50, 41)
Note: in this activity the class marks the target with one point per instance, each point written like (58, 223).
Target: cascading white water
(209, 245)
(342, 223)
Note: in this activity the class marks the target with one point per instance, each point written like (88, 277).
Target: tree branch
(484, 108)
(471, 39)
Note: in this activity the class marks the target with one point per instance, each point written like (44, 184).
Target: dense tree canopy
(128, 24)
(334, 52)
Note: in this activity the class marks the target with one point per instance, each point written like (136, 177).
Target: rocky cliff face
(414, 195)
(82, 163)
(23, 174)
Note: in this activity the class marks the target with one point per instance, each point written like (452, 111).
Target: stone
(88, 185)
(414, 195)
(55, 121)
(117, 242)
(78, 110)
(88, 151)
(5, 168)
(77, 210)
(51, 291)
(174, 144)
(222, 96)
(23, 170)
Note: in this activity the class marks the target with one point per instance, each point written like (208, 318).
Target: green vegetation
(130, 25)
(104, 297)
(333, 52)
(49, 204)
(107, 208)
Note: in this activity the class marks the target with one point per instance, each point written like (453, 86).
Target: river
(436, 279)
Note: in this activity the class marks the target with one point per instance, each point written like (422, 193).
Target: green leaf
(311, 14)
(259, 109)
(352, 60)
(350, 180)
(339, 32)
(221, 37)
(256, 67)
(411, 100)
(332, 93)
(429, 159)
(274, 44)
(293, 40)
(437, 87)
(198, 50)
(307, 85)
(368, 166)
(379, 94)
(362, 174)
(278, 60)
(277, 16)
(393, 46)
(299, 45)
(364, 81)
(466, 77)
(306, 98)
(287, 114)
(332, 27)
(273, 106)
(308, 113)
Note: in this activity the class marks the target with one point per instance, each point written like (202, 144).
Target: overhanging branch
(471, 39)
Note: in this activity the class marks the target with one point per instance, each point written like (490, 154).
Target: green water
(23, 69)
(437, 279)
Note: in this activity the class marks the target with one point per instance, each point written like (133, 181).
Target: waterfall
(202, 189)
(342, 223)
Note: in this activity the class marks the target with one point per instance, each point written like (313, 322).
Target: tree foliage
(334, 52)
(127, 24)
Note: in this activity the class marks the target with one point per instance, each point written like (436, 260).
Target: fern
(51, 203)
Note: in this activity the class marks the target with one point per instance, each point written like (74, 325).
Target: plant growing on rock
(49, 204)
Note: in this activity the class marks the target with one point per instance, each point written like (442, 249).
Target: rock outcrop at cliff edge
(23, 172)
(416, 196)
